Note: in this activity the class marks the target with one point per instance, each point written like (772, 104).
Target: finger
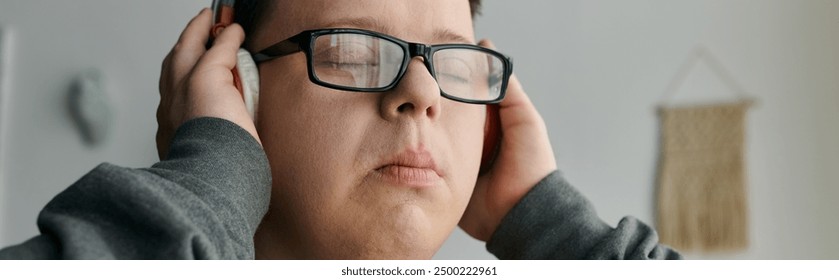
(192, 43)
(223, 51)
(197, 31)
(486, 43)
(516, 108)
(515, 95)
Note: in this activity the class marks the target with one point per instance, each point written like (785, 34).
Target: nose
(417, 95)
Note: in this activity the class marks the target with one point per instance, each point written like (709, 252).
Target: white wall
(595, 70)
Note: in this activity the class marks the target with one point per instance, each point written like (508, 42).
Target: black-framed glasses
(367, 61)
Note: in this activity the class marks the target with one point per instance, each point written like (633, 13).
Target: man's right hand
(197, 82)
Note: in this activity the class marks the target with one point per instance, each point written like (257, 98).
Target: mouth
(412, 168)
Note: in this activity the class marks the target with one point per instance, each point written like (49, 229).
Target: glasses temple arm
(277, 50)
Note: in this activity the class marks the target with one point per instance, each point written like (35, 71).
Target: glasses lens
(356, 60)
(469, 73)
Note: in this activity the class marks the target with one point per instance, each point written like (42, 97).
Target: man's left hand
(524, 158)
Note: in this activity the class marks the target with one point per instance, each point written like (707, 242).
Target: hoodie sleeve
(554, 221)
(204, 202)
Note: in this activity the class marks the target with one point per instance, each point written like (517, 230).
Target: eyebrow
(371, 23)
(449, 35)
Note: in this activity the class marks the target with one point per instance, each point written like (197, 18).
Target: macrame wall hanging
(701, 192)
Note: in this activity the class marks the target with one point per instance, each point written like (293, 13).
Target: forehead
(425, 21)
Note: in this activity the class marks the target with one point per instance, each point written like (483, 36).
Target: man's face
(365, 175)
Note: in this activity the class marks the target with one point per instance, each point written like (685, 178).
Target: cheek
(307, 132)
(463, 129)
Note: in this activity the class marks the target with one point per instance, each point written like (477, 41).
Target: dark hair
(251, 13)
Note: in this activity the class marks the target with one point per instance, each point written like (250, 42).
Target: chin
(406, 232)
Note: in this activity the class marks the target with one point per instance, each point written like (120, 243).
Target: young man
(357, 173)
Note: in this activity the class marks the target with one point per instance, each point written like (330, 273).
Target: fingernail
(217, 29)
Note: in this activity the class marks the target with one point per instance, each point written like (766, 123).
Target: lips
(411, 168)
